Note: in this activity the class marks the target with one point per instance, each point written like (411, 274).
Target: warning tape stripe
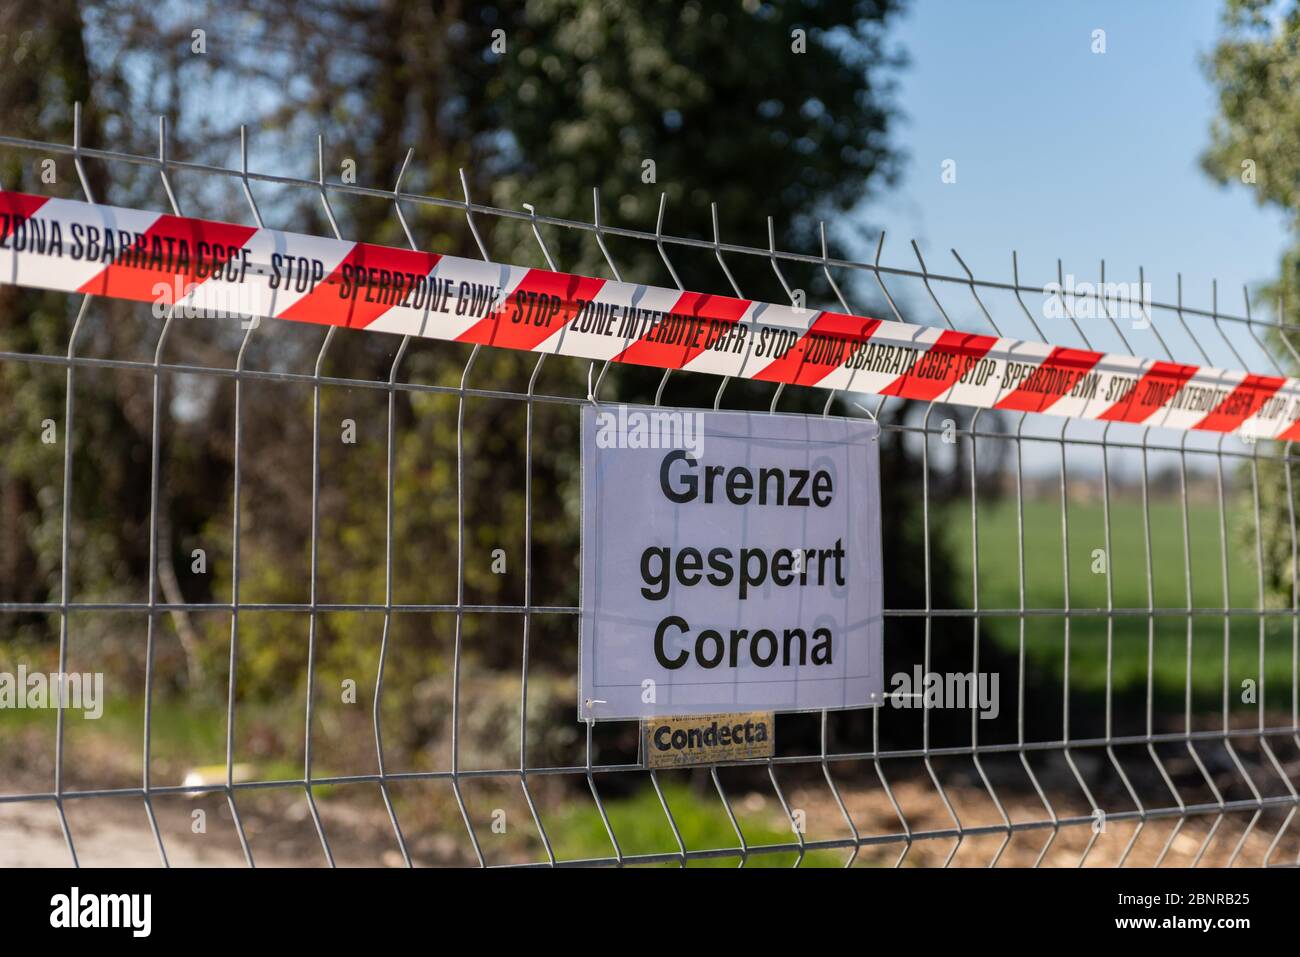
(213, 244)
(323, 305)
(1042, 387)
(546, 302)
(213, 268)
(953, 355)
(696, 319)
(1245, 400)
(828, 331)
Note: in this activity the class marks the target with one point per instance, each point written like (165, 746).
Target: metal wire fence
(1114, 577)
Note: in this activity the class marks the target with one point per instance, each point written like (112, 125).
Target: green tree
(778, 109)
(1255, 142)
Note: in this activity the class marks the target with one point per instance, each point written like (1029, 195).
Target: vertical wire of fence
(1194, 780)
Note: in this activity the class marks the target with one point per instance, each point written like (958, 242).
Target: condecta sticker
(679, 742)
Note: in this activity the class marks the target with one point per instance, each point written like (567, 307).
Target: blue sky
(1061, 152)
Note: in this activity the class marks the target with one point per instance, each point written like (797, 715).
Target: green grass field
(642, 828)
(1088, 579)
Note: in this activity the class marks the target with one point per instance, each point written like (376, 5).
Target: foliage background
(584, 93)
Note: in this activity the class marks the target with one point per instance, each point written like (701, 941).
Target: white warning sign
(731, 561)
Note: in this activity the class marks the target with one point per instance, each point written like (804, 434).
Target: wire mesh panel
(365, 651)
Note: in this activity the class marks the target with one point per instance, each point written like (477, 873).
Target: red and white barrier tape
(203, 267)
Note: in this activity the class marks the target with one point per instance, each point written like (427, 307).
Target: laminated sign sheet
(731, 561)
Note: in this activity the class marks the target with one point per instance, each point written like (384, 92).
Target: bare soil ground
(116, 832)
(281, 829)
